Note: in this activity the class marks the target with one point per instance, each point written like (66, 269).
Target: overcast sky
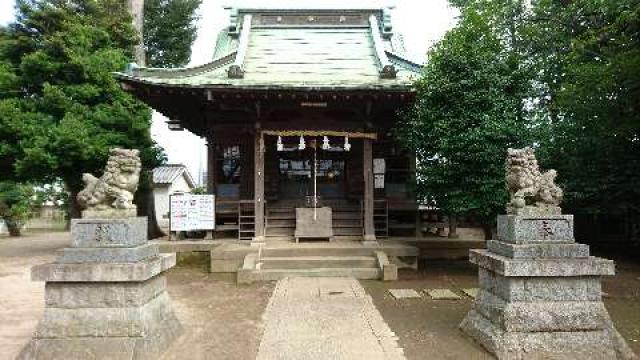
(420, 22)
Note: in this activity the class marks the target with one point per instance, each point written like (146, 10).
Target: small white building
(168, 180)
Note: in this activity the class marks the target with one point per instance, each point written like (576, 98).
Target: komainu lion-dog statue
(532, 192)
(115, 188)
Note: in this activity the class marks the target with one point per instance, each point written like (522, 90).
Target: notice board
(192, 212)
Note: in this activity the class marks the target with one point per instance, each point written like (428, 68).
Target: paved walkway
(325, 318)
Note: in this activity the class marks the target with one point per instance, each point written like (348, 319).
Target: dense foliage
(588, 54)
(16, 204)
(61, 110)
(469, 110)
(563, 76)
(169, 30)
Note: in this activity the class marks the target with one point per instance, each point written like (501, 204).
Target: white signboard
(379, 181)
(379, 166)
(192, 212)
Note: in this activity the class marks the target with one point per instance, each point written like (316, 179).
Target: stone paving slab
(325, 318)
(471, 292)
(442, 294)
(404, 293)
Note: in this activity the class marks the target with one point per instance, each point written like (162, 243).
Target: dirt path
(325, 318)
(21, 300)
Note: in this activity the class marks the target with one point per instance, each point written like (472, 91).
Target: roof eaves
(302, 8)
(404, 62)
(293, 86)
(143, 72)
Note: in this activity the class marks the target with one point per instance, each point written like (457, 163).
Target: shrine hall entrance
(296, 172)
(302, 168)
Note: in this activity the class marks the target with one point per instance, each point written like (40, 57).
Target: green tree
(16, 204)
(60, 108)
(169, 31)
(588, 56)
(469, 110)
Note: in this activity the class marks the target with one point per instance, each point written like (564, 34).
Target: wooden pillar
(211, 176)
(258, 183)
(367, 165)
(211, 166)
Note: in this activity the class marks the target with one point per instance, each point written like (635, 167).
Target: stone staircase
(277, 261)
(280, 221)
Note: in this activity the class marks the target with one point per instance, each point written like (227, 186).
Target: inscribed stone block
(109, 232)
(523, 229)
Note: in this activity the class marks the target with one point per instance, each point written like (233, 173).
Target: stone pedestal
(540, 295)
(105, 296)
(309, 228)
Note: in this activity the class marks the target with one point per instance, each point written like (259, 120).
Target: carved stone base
(540, 295)
(591, 344)
(105, 296)
(104, 321)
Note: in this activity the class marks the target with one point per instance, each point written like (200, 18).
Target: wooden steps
(280, 220)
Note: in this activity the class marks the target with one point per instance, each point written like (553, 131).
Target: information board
(192, 212)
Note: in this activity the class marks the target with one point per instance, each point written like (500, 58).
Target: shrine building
(298, 109)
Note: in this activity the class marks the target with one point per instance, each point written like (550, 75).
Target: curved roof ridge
(134, 71)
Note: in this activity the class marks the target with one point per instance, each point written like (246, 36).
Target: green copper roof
(338, 50)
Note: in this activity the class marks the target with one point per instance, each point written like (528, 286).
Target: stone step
(315, 262)
(316, 250)
(277, 274)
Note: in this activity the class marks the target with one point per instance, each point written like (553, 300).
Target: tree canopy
(562, 76)
(469, 110)
(169, 30)
(60, 108)
(588, 56)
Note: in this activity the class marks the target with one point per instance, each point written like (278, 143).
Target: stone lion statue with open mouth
(115, 188)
